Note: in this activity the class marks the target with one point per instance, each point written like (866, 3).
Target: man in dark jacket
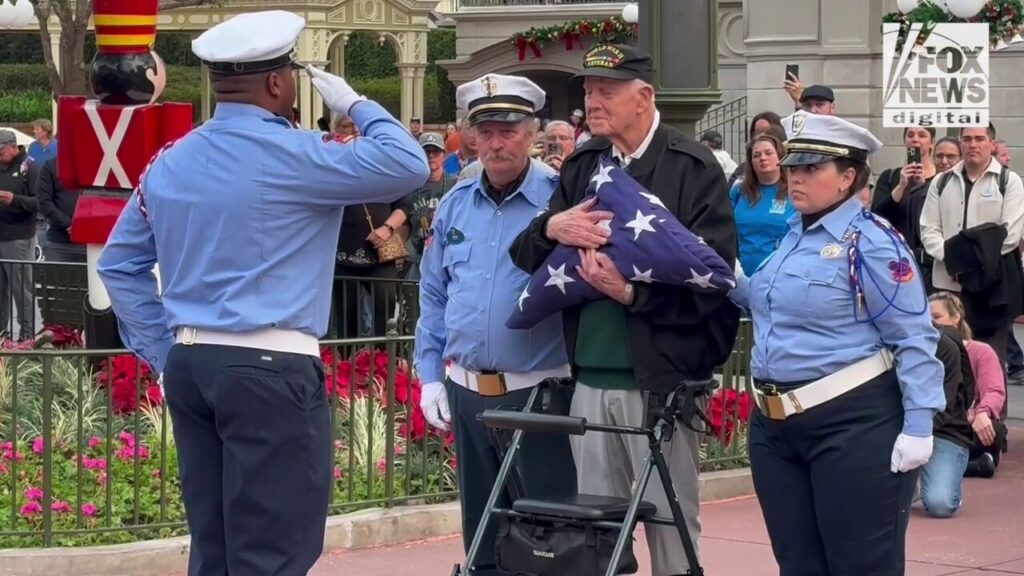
(643, 339)
(17, 234)
(57, 204)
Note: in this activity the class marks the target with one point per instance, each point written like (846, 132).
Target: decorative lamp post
(684, 87)
(16, 16)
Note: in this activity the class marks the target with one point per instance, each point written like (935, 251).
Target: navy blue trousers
(830, 502)
(253, 433)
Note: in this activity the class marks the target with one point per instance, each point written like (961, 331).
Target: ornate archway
(403, 23)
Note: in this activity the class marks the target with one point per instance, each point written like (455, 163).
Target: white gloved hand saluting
(910, 452)
(336, 92)
(434, 403)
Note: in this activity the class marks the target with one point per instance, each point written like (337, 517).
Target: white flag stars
(602, 177)
(639, 276)
(523, 297)
(704, 281)
(558, 278)
(653, 199)
(640, 224)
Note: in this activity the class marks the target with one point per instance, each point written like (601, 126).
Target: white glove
(910, 452)
(434, 403)
(336, 92)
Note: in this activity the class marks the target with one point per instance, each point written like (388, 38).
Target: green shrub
(25, 106)
(388, 93)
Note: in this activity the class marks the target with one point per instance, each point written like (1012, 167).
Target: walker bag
(539, 548)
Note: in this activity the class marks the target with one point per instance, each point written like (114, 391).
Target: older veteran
(468, 288)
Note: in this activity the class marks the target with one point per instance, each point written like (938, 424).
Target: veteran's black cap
(618, 61)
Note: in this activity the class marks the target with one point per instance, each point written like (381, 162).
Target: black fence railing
(730, 120)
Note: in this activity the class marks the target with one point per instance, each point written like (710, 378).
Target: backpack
(1004, 179)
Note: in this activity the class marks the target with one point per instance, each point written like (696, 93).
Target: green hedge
(366, 61)
(25, 95)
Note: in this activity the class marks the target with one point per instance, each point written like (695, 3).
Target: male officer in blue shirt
(242, 215)
(468, 288)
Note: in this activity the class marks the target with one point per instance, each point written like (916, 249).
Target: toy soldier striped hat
(125, 26)
(252, 43)
(816, 138)
(500, 98)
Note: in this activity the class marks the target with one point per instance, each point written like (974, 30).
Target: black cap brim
(498, 116)
(434, 146)
(805, 159)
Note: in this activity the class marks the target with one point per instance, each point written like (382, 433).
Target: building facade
(835, 42)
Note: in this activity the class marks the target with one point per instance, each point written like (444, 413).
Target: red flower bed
(727, 407)
(367, 373)
(121, 375)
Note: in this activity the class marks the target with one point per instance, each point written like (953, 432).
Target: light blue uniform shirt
(803, 310)
(469, 284)
(243, 216)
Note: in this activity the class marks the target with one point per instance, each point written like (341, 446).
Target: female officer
(843, 364)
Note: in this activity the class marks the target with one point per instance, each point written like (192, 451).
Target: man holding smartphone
(559, 143)
(817, 99)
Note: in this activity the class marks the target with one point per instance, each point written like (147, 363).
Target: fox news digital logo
(941, 83)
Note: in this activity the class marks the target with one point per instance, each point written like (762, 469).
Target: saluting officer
(844, 365)
(467, 291)
(242, 217)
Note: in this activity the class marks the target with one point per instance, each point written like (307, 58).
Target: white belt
(274, 339)
(509, 381)
(782, 405)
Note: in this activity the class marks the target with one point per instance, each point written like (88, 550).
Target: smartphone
(792, 70)
(555, 148)
(913, 155)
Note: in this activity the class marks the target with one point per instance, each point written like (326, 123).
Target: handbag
(393, 249)
(550, 548)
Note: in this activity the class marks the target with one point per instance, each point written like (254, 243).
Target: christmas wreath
(613, 29)
(1005, 19)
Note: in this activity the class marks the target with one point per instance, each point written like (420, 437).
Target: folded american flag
(647, 244)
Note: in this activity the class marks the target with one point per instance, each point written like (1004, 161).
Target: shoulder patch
(338, 138)
(902, 271)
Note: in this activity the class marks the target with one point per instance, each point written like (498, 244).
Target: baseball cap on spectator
(818, 92)
(7, 138)
(432, 139)
(713, 137)
(577, 113)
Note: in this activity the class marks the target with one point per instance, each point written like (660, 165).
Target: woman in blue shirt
(844, 367)
(760, 201)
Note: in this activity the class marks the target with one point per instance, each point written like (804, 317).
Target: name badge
(778, 207)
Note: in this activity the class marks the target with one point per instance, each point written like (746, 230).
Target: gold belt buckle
(772, 403)
(491, 384)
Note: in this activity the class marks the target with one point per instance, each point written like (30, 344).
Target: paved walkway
(986, 537)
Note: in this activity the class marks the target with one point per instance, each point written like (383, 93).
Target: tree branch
(175, 4)
(83, 9)
(43, 9)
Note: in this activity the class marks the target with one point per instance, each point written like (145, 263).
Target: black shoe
(983, 466)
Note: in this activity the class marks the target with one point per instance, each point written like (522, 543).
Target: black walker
(590, 519)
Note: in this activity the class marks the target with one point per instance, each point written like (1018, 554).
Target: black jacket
(904, 215)
(951, 424)
(18, 219)
(56, 202)
(674, 332)
(992, 283)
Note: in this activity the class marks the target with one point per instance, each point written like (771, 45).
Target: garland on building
(613, 29)
(1005, 19)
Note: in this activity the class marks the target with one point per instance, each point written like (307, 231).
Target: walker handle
(533, 422)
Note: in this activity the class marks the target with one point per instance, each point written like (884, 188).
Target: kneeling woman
(844, 366)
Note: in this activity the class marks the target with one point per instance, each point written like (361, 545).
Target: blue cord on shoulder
(857, 266)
